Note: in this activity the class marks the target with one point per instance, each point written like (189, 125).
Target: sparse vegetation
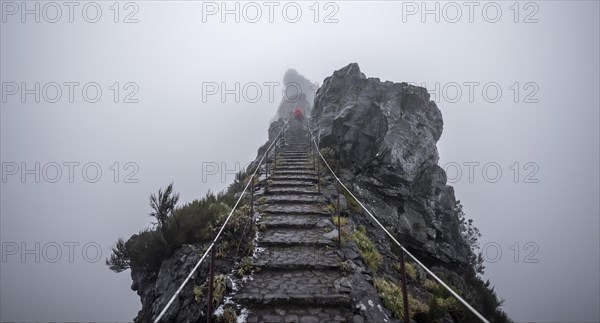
(219, 288)
(331, 209)
(441, 302)
(470, 235)
(198, 293)
(338, 220)
(345, 267)
(222, 249)
(391, 295)
(367, 249)
(245, 266)
(411, 272)
(352, 203)
(192, 223)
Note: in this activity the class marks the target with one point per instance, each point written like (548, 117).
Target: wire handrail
(164, 310)
(471, 308)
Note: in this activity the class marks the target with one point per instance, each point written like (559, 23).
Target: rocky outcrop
(298, 92)
(156, 290)
(385, 135)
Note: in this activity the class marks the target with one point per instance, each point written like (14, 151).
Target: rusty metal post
(404, 292)
(339, 220)
(251, 197)
(314, 153)
(209, 312)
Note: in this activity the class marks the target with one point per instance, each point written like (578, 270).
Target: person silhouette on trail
(298, 115)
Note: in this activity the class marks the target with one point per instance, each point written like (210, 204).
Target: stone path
(300, 276)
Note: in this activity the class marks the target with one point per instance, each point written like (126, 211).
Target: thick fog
(136, 95)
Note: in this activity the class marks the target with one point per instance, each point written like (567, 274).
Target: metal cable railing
(164, 310)
(458, 297)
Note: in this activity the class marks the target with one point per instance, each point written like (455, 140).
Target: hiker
(298, 115)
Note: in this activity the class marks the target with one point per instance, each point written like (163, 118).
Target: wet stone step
(295, 151)
(284, 298)
(294, 209)
(293, 199)
(301, 257)
(277, 171)
(299, 287)
(292, 190)
(298, 163)
(299, 314)
(294, 237)
(274, 221)
(294, 159)
(304, 166)
(294, 155)
(295, 147)
(291, 182)
(293, 176)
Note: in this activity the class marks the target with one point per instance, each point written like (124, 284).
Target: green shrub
(143, 250)
(194, 222)
(188, 224)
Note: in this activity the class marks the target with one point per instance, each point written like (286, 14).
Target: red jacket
(298, 113)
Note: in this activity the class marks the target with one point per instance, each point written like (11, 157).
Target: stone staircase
(300, 266)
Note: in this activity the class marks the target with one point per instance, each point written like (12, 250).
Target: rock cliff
(385, 135)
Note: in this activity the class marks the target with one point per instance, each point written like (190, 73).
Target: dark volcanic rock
(156, 291)
(385, 134)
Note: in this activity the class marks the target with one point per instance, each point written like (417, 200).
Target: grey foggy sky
(171, 132)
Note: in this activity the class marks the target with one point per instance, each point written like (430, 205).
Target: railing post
(404, 292)
(251, 197)
(209, 312)
(314, 153)
(339, 219)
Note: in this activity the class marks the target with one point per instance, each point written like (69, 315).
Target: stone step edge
(298, 299)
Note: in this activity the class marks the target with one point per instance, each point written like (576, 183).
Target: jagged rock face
(156, 290)
(379, 123)
(385, 134)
